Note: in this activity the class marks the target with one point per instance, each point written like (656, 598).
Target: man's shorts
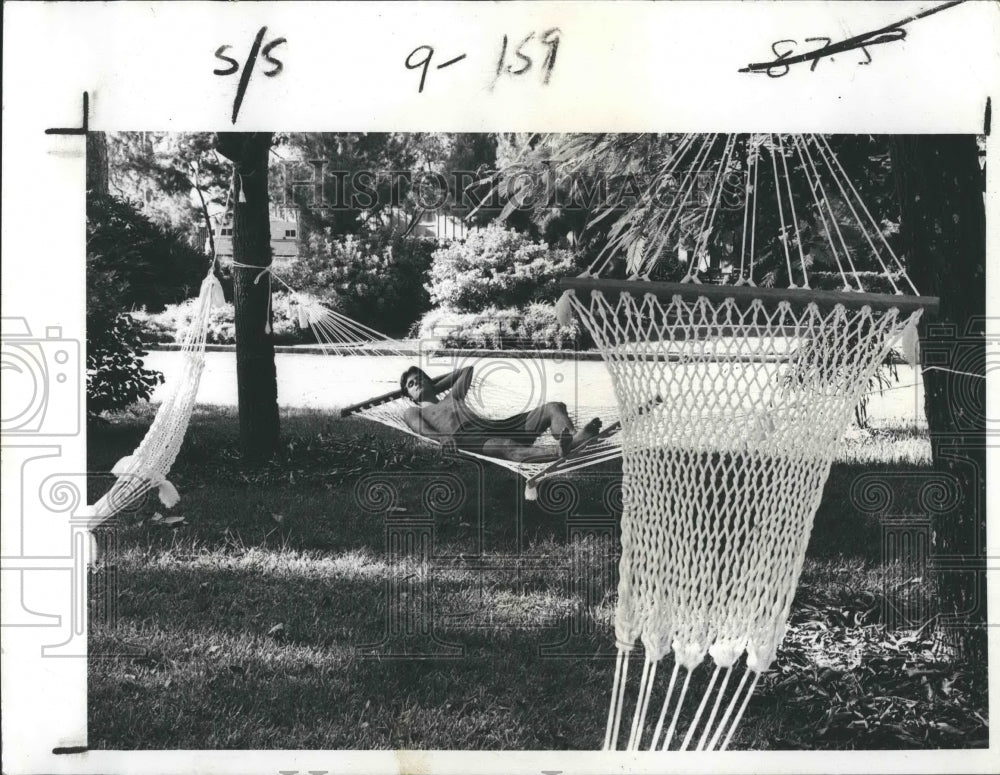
(484, 430)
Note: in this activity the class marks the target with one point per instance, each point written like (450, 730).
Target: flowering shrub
(496, 266)
(534, 328)
(376, 279)
(170, 325)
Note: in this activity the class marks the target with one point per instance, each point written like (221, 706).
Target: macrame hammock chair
(733, 401)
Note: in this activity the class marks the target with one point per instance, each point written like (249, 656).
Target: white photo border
(622, 66)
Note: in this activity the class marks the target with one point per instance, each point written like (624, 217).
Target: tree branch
(204, 212)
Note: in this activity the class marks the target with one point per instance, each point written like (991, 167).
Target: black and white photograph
(649, 446)
(413, 496)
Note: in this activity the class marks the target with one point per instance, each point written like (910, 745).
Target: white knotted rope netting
(733, 403)
(731, 417)
(147, 467)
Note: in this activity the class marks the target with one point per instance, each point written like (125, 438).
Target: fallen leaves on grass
(277, 631)
(867, 687)
(159, 519)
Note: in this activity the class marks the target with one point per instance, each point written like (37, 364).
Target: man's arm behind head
(458, 382)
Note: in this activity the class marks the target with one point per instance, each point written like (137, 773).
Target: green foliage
(130, 261)
(609, 193)
(497, 266)
(162, 169)
(375, 279)
(534, 328)
(153, 265)
(170, 324)
(116, 377)
(393, 164)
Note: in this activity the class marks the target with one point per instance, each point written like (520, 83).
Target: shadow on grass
(473, 621)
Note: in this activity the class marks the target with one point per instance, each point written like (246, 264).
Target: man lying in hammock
(451, 421)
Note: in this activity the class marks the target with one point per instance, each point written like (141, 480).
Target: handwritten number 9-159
(513, 61)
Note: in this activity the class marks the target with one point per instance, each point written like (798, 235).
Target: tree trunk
(97, 163)
(943, 227)
(257, 387)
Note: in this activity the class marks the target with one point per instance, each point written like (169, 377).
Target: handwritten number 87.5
(785, 48)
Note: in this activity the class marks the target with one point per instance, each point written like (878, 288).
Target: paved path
(329, 382)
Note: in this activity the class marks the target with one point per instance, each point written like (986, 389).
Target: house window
(289, 233)
(226, 231)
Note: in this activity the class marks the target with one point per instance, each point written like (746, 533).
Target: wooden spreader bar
(748, 293)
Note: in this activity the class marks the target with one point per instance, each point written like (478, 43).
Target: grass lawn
(363, 591)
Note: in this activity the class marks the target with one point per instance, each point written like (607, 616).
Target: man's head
(417, 386)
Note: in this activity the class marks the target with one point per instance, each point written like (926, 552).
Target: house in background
(435, 224)
(284, 238)
(285, 231)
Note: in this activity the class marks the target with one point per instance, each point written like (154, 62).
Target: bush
(116, 377)
(496, 266)
(130, 261)
(376, 279)
(534, 328)
(155, 265)
(171, 324)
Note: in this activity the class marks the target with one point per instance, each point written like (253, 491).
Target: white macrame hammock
(733, 401)
(147, 467)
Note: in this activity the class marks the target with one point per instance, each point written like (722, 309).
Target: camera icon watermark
(41, 381)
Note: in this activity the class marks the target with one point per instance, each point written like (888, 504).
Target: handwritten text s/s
(234, 66)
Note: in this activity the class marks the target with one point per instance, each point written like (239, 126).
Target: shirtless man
(453, 423)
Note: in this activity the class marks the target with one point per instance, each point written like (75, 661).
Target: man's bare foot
(582, 436)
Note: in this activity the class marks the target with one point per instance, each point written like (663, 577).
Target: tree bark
(97, 163)
(257, 387)
(943, 228)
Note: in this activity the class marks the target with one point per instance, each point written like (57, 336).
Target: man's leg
(553, 416)
(509, 449)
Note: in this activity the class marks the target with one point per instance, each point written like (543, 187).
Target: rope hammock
(338, 334)
(483, 398)
(147, 467)
(745, 394)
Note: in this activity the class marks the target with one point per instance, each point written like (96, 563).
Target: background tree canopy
(607, 193)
